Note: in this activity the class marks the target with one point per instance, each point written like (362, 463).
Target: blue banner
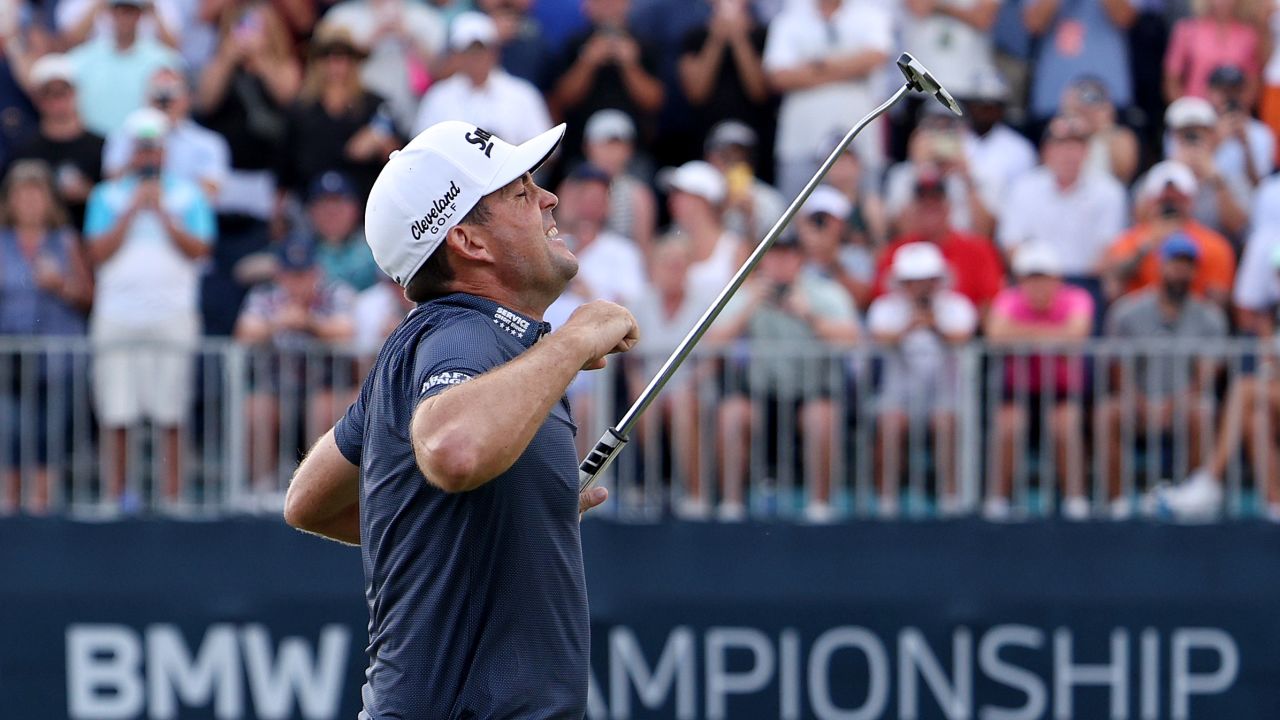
(248, 619)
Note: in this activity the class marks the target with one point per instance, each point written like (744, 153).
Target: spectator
(61, 140)
(1113, 148)
(243, 95)
(335, 227)
(605, 66)
(113, 71)
(45, 290)
(1164, 203)
(1078, 38)
(480, 92)
(376, 314)
(1039, 310)
(995, 153)
(191, 152)
(975, 267)
(1248, 417)
(917, 323)
(300, 308)
(752, 205)
(336, 123)
(1161, 393)
(823, 57)
(695, 196)
(1076, 214)
(823, 230)
(1247, 146)
(524, 49)
(937, 147)
(867, 222)
(1269, 103)
(610, 144)
(79, 20)
(721, 71)
(1218, 35)
(146, 233)
(783, 307)
(405, 40)
(953, 36)
(1194, 141)
(669, 307)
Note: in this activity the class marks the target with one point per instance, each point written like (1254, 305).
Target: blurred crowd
(179, 169)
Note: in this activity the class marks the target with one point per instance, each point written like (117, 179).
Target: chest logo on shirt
(482, 139)
(445, 378)
(438, 216)
(509, 321)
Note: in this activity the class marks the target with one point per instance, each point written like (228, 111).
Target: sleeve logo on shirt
(511, 322)
(482, 139)
(445, 378)
(438, 216)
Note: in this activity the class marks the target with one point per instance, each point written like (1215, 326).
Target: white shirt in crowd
(715, 271)
(375, 308)
(387, 71)
(920, 372)
(1257, 280)
(1229, 157)
(1080, 223)
(663, 332)
(809, 118)
(611, 266)
(70, 13)
(996, 160)
(957, 53)
(1264, 213)
(191, 152)
(507, 106)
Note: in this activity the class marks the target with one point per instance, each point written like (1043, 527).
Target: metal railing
(797, 432)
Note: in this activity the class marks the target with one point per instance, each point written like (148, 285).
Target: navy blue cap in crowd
(331, 183)
(297, 253)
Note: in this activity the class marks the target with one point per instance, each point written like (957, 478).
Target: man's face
(1172, 204)
(932, 211)
(334, 217)
(610, 155)
(477, 61)
(590, 201)
(148, 155)
(983, 115)
(299, 285)
(1176, 275)
(527, 254)
(56, 99)
(124, 20)
(670, 267)
(782, 265)
(686, 208)
(919, 290)
(1040, 289)
(820, 235)
(727, 156)
(1065, 158)
(1194, 138)
(168, 94)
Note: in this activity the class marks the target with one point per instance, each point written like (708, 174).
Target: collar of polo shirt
(430, 185)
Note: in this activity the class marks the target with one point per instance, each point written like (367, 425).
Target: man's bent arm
(472, 432)
(324, 496)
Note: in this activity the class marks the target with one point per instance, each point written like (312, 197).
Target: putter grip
(599, 458)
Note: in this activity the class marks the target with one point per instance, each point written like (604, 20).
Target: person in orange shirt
(1164, 200)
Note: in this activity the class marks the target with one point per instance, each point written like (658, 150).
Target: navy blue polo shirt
(477, 600)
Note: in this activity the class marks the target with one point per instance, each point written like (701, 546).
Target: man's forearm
(460, 441)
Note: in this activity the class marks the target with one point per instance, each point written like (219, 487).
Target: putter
(611, 443)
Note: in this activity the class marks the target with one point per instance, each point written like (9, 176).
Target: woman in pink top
(1040, 309)
(1217, 35)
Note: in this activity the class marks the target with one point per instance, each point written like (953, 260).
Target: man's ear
(470, 243)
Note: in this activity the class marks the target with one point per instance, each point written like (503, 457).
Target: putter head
(921, 80)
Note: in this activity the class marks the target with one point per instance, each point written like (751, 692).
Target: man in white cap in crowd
(455, 469)
(917, 322)
(752, 205)
(609, 143)
(1222, 199)
(146, 234)
(480, 91)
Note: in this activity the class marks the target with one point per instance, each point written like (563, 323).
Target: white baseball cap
(51, 67)
(1190, 112)
(470, 28)
(695, 177)
(430, 185)
(146, 123)
(1169, 172)
(826, 199)
(918, 261)
(609, 124)
(1036, 258)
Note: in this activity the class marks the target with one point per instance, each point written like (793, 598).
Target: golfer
(455, 469)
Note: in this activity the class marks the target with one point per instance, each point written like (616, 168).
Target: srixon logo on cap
(483, 139)
(438, 216)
